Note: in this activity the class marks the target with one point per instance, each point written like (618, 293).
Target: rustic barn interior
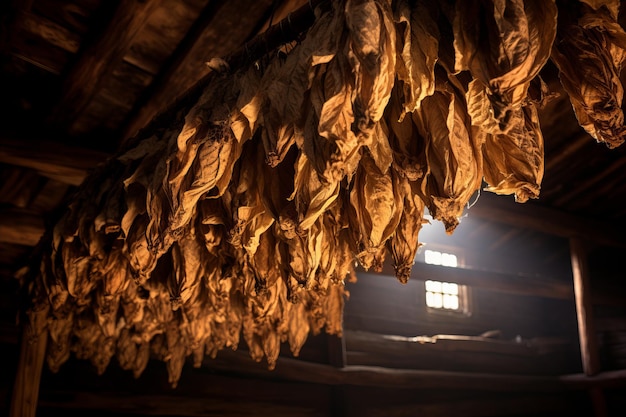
(542, 326)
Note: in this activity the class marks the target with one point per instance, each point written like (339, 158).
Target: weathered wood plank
(20, 227)
(172, 405)
(39, 54)
(49, 31)
(53, 160)
(584, 308)
(524, 405)
(606, 379)
(97, 59)
(460, 353)
(374, 376)
(187, 65)
(165, 30)
(494, 281)
(26, 387)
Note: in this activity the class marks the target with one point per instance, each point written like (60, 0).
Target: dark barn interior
(542, 326)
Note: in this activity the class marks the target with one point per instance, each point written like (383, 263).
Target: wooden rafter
(187, 65)
(20, 227)
(98, 58)
(63, 163)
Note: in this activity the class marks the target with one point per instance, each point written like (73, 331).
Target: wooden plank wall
(403, 311)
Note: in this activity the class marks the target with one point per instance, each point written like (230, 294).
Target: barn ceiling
(81, 78)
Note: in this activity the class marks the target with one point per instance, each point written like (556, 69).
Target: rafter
(63, 163)
(187, 65)
(98, 58)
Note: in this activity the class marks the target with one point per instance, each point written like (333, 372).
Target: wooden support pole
(586, 328)
(28, 375)
(582, 293)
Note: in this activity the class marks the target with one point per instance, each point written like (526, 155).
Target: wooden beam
(30, 364)
(374, 376)
(20, 227)
(459, 353)
(185, 77)
(606, 379)
(517, 284)
(521, 405)
(532, 216)
(98, 58)
(66, 164)
(584, 308)
(49, 31)
(187, 65)
(174, 404)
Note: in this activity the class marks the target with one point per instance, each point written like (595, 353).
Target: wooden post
(582, 293)
(586, 328)
(28, 375)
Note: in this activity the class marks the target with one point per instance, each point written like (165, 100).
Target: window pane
(448, 259)
(434, 300)
(433, 286)
(450, 288)
(432, 257)
(451, 302)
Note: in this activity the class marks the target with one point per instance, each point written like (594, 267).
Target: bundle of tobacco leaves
(249, 219)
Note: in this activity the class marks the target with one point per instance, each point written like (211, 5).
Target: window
(434, 257)
(446, 297)
(442, 296)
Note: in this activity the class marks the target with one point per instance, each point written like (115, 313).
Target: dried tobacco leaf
(453, 154)
(589, 51)
(513, 163)
(418, 36)
(504, 44)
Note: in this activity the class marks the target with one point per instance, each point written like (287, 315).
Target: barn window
(445, 296)
(434, 257)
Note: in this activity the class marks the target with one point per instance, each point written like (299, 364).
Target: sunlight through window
(446, 296)
(434, 257)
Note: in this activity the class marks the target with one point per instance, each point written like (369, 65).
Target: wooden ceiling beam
(20, 227)
(495, 281)
(97, 59)
(63, 163)
(49, 31)
(503, 209)
(187, 65)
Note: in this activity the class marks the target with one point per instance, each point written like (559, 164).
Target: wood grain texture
(49, 31)
(26, 388)
(187, 65)
(63, 163)
(584, 308)
(98, 58)
(20, 227)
